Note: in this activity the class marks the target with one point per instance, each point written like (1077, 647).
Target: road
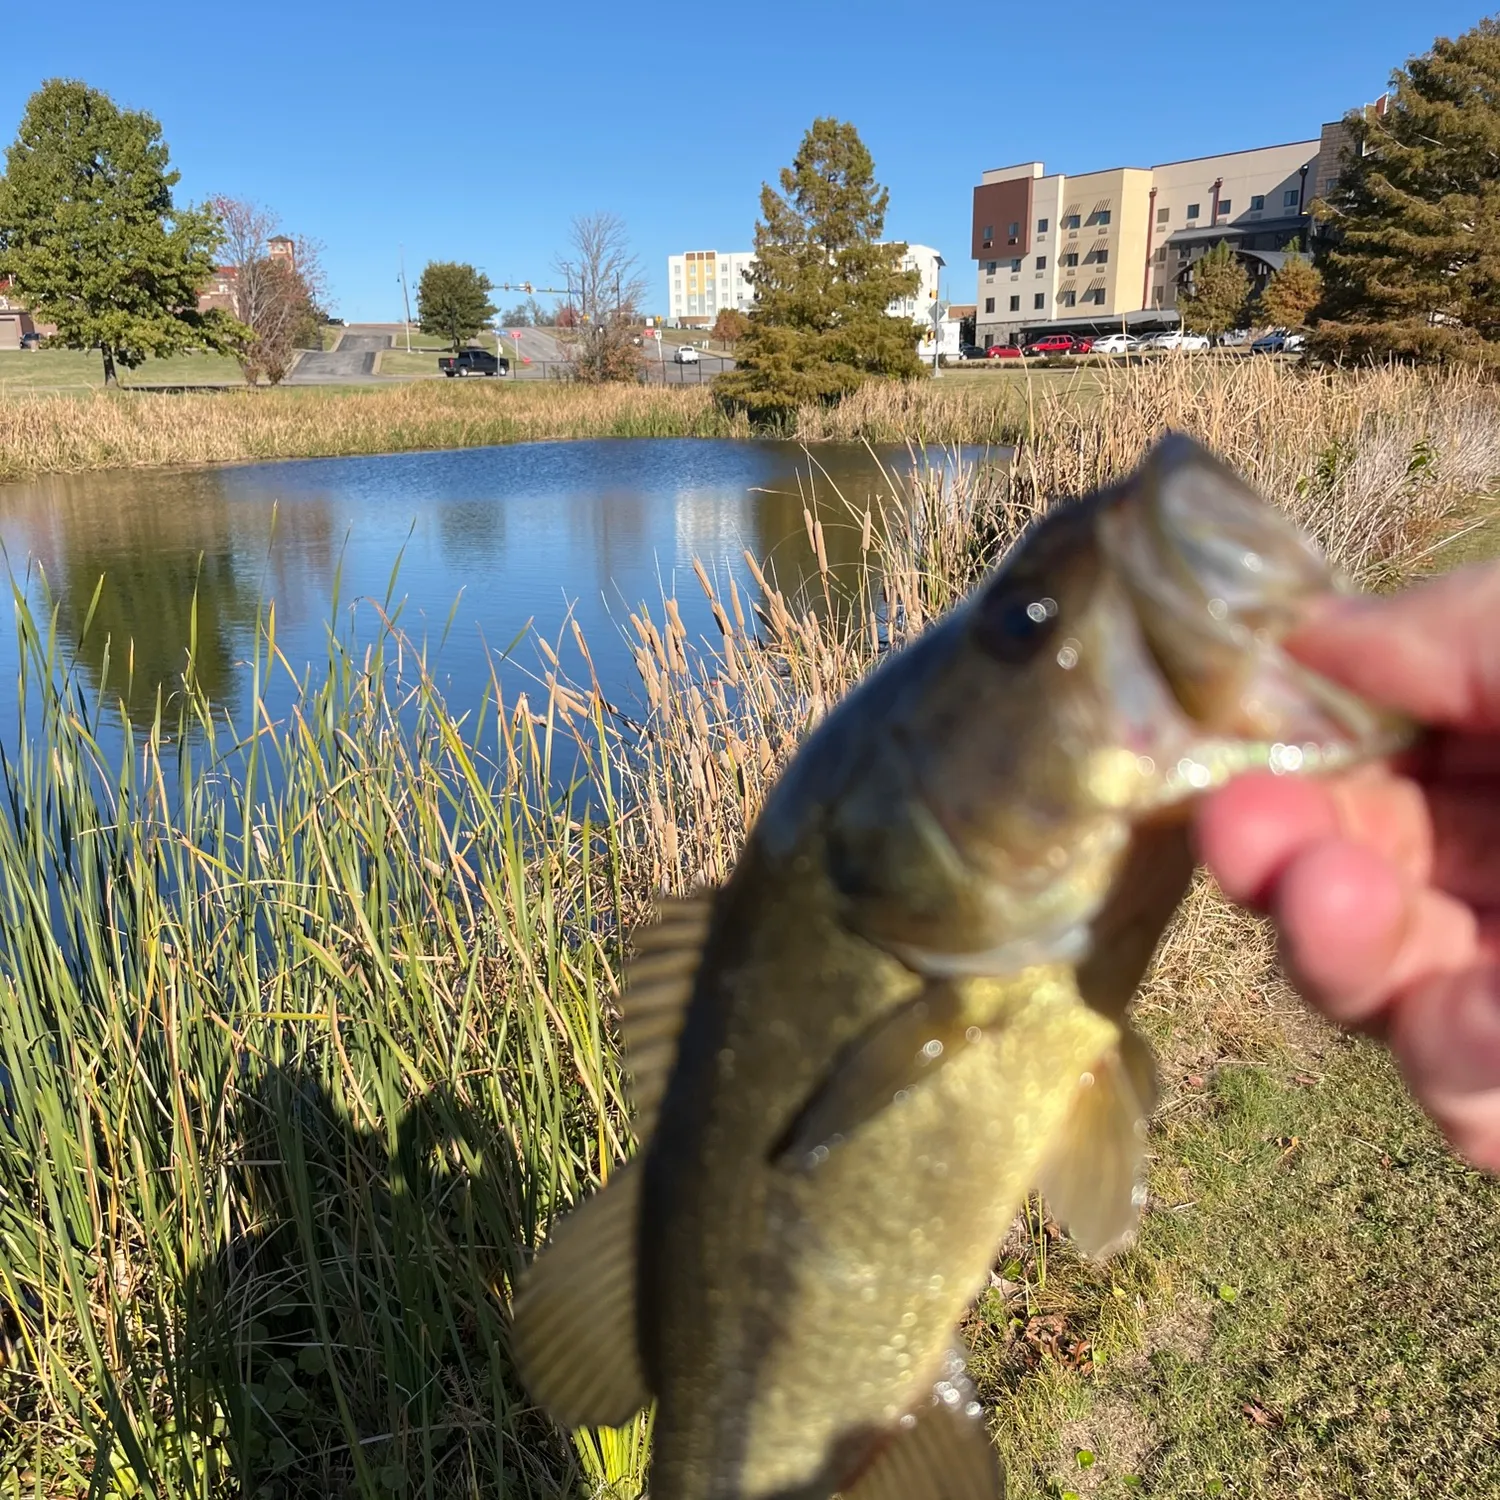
(352, 361)
(541, 357)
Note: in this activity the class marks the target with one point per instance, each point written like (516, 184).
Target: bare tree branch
(605, 292)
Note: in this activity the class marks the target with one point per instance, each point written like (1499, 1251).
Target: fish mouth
(1217, 578)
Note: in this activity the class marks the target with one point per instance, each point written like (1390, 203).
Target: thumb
(1432, 651)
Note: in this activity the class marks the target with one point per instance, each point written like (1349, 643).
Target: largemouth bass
(908, 1005)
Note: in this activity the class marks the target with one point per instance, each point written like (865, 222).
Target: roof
(1236, 229)
(962, 309)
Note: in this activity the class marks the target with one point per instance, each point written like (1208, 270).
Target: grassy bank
(305, 1045)
(124, 430)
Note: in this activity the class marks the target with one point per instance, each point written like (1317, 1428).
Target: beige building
(1116, 248)
(701, 283)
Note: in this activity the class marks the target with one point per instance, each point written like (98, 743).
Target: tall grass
(307, 1025)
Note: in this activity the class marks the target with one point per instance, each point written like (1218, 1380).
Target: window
(1192, 210)
(1015, 304)
(1329, 183)
(1163, 215)
(1070, 259)
(1041, 263)
(1069, 298)
(1102, 217)
(1039, 301)
(1015, 264)
(1015, 231)
(1041, 226)
(1098, 296)
(1071, 222)
(1161, 254)
(1225, 208)
(989, 233)
(1289, 198)
(989, 267)
(1101, 257)
(989, 304)
(1257, 202)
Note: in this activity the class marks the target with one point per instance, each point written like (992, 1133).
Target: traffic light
(526, 287)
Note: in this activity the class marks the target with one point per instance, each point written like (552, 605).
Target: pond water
(473, 547)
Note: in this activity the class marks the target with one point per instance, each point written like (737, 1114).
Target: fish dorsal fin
(945, 1453)
(658, 987)
(902, 1049)
(1093, 1177)
(574, 1314)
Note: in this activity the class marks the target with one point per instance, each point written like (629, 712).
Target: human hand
(1384, 882)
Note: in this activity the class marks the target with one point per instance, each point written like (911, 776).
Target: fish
(908, 1005)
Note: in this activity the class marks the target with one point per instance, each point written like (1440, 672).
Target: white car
(686, 355)
(1115, 343)
(1175, 338)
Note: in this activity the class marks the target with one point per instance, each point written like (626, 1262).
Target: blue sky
(476, 132)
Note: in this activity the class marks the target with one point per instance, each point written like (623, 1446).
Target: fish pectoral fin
(1093, 1175)
(574, 1313)
(900, 1051)
(945, 1454)
(658, 987)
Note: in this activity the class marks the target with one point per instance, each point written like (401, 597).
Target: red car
(1083, 346)
(1002, 351)
(1054, 343)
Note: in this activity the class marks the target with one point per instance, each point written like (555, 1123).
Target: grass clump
(307, 1033)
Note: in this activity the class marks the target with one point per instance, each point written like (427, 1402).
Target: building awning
(1272, 259)
(1236, 230)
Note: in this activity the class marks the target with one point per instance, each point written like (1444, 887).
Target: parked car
(1002, 351)
(1085, 345)
(1175, 338)
(1234, 337)
(1053, 343)
(473, 362)
(970, 351)
(686, 355)
(1278, 341)
(1116, 343)
(31, 340)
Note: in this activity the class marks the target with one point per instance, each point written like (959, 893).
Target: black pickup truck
(473, 362)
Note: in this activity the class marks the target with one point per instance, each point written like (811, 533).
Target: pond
(472, 548)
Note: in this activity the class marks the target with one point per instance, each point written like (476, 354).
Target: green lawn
(81, 369)
(426, 350)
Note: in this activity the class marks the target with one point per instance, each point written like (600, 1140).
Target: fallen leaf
(1262, 1416)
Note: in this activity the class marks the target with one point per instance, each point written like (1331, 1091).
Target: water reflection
(521, 535)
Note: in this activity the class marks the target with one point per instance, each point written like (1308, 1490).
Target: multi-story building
(701, 283)
(1117, 248)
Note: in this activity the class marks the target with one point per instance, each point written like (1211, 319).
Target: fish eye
(1014, 625)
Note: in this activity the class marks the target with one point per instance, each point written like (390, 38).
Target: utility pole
(405, 300)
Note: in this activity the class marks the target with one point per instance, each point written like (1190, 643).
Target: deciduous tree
(606, 291)
(823, 281)
(90, 235)
(276, 297)
(1291, 294)
(453, 301)
(1221, 288)
(731, 325)
(1413, 265)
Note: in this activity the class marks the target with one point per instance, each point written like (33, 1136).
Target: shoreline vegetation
(307, 1026)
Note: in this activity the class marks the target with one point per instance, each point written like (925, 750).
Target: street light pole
(405, 300)
(937, 313)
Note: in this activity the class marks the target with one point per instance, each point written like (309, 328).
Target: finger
(1466, 843)
(1432, 651)
(1355, 932)
(1446, 1036)
(1249, 831)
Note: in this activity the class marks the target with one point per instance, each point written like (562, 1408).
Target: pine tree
(91, 239)
(1413, 266)
(823, 282)
(453, 301)
(1221, 289)
(1291, 294)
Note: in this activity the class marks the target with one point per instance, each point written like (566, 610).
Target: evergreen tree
(823, 282)
(1221, 288)
(1291, 294)
(453, 301)
(91, 239)
(1413, 265)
